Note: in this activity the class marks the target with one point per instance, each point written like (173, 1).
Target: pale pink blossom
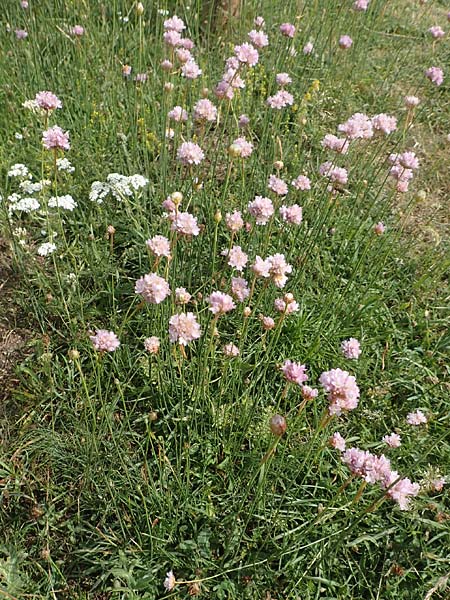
(287, 29)
(278, 267)
(337, 175)
(247, 54)
(159, 246)
(185, 224)
(77, 30)
(152, 344)
(435, 75)
(47, 101)
(153, 288)
(230, 350)
(261, 267)
(277, 185)
(361, 5)
(411, 101)
(437, 32)
(21, 34)
(345, 42)
(393, 440)
(337, 441)
(190, 153)
(336, 144)
(191, 70)
(184, 328)
(243, 121)
(292, 214)
(220, 303)
(24, 4)
(341, 389)
(280, 100)
(166, 65)
(416, 418)
(175, 24)
(234, 221)
(172, 37)
(283, 79)
(402, 490)
(259, 22)
(56, 139)
(308, 48)
(357, 126)
(351, 348)
(309, 393)
(437, 484)
(237, 258)
(379, 228)
(186, 43)
(301, 183)
(287, 308)
(261, 209)
(105, 341)
(384, 123)
(258, 38)
(204, 110)
(241, 148)
(294, 372)
(178, 114)
(183, 55)
(239, 288)
(408, 160)
(267, 322)
(182, 296)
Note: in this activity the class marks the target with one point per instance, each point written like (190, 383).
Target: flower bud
(288, 298)
(176, 198)
(217, 216)
(168, 86)
(74, 354)
(140, 9)
(247, 311)
(278, 425)
(278, 165)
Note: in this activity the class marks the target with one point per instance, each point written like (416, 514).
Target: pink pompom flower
(220, 303)
(301, 183)
(416, 418)
(435, 75)
(357, 126)
(261, 209)
(277, 185)
(247, 54)
(332, 142)
(239, 288)
(280, 100)
(178, 114)
(437, 32)
(47, 101)
(56, 139)
(190, 153)
(345, 42)
(77, 30)
(174, 24)
(159, 246)
(153, 288)
(105, 341)
(351, 348)
(234, 221)
(308, 48)
(338, 442)
(393, 440)
(241, 148)
(21, 34)
(184, 328)
(412, 101)
(379, 228)
(384, 123)
(230, 350)
(152, 344)
(294, 372)
(287, 29)
(258, 38)
(341, 389)
(291, 214)
(204, 110)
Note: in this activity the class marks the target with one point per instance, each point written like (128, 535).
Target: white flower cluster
(17, 204)
(64, 164)
(19, 170)
(46, 248)
(118, 185)
(66, 202)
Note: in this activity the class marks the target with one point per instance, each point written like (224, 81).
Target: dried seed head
(278, 425)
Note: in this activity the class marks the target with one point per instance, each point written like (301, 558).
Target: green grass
(117, 468)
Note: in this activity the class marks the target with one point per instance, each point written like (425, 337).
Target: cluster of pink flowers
(184, 328)
(351, 348)
(274, 267)
(77, 31)
(393, 440)
(277, 185)
(239, 288)
(291, 214)
(358, 126)
(190, 153)
(152, 344)
(294, 372)
(435, 75)
(56, 139)
(437, 32)
(105, 341)
(416, 418)
(280, 100)
(241, 148)
(338, 176)
(230, 350)
(345, 42)
(178, 114)
(261, 209)
(286, 305)
(220, 303)
(283, 79)
(204, 110)
(153, 288)
(184, 223)
(402, 170)
(341, 389)
(47, 101)
(159, 245)
(302, 183)
(308, 48)
(247, 54)
(287, 29)
(234, 221)
(332, 142)
(258, 38)
(384, 123)
(237, 258)
(172, 36)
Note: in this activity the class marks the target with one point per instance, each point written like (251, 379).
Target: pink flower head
(241, 148)
(183, 328)
(234, 221)
(178, 114)
(339, 145)
(261, 209)
(183, 55)
(191, 70)
(411, 101)
(220, 303)
(282, 306)
(437, 484)
(351, 348)
(172, 37)
(247, 54)
(361, 5)
(337, 441)
(261, 268)
(342, 390)
(379, 228)
(204, 110)
(174, 24)
(384, 123)
(21, 34)
(190, 153)
(258, 38)
(141, 77)
(283, 79)
(169, 581)
(182, 296)
(24, 4)
(105, 341)
(77, 30)
(267, 322)
(309, 393)
(356, 460)
(278, 267)
(292, 214)
(185, 224)
(47, 101)
(277, 185)
(294, 372)
(230, 350)
(337, 175)
(239, 288)
(435, 75)
(153, 288)
(301, 183)
(280, 100)
(166, 65)
(259, 22)
(308, 48)
(159, 246)
(237, 258)
(393, 440)
(402, 490)
(416, 418)
(437, 32)
(56, 139)
(152, 344)
(287, 29)
(345, 42)
(357, 126)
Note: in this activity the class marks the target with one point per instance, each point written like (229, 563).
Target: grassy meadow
(223, 255)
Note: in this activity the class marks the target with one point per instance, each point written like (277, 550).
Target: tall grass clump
(237, 380)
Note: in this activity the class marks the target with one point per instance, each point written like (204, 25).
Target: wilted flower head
(308, 48)
(183, 328)
(345, 42)
(287, 29)
(230, 350)
(435, 75)
(166, 65)
(152, 344)
(342, 390)
(47, 101)
(56, 139)
(105, 341)
(183, 55)
(411, 101)
(190, 153)
(153, 288)
(393, 440)
(220, 303)
(294, 372)
(351, 348)
(277, 425)
(416, 418)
